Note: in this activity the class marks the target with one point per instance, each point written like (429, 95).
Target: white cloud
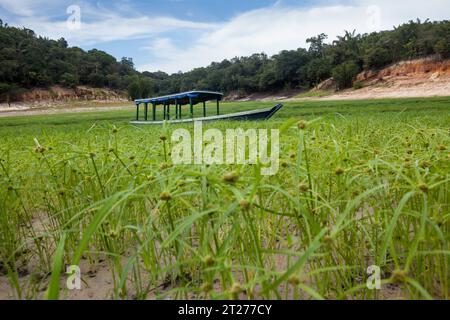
(98, 23)
(276, 28)
(21, 7)
(110, 28)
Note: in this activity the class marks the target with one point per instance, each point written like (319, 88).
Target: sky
(179, 35)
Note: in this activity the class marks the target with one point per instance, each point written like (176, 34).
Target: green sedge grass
(360, 183)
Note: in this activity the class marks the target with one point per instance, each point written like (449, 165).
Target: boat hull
(261, 114)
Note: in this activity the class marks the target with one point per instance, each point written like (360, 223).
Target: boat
(193, 98)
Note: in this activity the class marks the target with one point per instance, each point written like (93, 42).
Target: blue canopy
(183, 98)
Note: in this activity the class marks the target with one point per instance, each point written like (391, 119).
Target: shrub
(68, 80)
(377, 58)
(134, 90)
(344, 74)
(442, 47)
(96, 80)
(358, 85)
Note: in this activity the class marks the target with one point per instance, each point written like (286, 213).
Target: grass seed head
(328, 241)
(230, 177)
(165, 196)
(40, 149)
(423, 187)
(208, 261)
(302, 125)
(244, 204)
(303, 187)
(399, 275)
(294, 280)
(206, 287)
(164, 166)
(235, 290)
(425, 164)
(114, 234)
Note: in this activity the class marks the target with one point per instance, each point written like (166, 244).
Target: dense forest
(28, 61)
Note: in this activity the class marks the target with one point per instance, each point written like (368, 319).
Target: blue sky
(178, 35)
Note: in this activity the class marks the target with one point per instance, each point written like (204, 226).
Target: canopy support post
(218, 107)
(146, 111)
(176, 109)
(164, 112)
(137, 111)
(192, 107)
(204, 109)
(154, 111)
(168, 111)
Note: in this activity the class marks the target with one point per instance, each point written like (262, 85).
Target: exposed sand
(399, 87)
(426, 77)
(15, 111)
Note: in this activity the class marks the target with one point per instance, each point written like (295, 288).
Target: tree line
(28, 60)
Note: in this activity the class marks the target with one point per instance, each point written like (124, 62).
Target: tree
(126, 66)
(8, 92)
(5, 93)
(344, 74)
(377, 58)
(27, 61)
(114, 81)
(442, 48)
(318, 70)
(147, 87)
(134, 90)
(69, 80)
(96, 80)
(316, 45)
(268, 78)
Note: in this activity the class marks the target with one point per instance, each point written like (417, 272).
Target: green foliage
(147, 87)
(307, 68)
(96, 80)
(69, 80)
(442, 47)
(134, 90)
(358, 85)
(344, 74)
(318, 70)
(27, 60)
(317, 45)
(8, 92)
(142, 87)
(377, 58)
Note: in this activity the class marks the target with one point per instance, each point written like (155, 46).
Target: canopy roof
(183, 98)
